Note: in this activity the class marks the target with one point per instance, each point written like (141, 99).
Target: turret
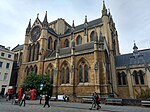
(73, 26)
(45, 22)
(135, 49)
(28, 28)
(104, 11)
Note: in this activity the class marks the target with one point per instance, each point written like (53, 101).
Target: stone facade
(6, 64)
(132, 72)
(77, 58)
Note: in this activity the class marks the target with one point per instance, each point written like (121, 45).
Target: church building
(79, 59)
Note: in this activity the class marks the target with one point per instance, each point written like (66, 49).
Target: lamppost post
(42, 60)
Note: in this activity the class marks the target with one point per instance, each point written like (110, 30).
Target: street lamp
(42, 59)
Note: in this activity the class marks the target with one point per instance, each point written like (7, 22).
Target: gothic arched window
(119, 78)
(79, 40)
(83, 71)
(136, 77)
(141, 76)
(37, 50)
(92, 36)
(80, 74)
(86, 73)
(66, 43)
(67, 75)
(62, 75)
(29, 58)
(55, 44)
(122, 79)
(52, 77)
(49, 43)
(33, 52)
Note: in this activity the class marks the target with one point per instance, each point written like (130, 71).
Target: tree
(33, 81)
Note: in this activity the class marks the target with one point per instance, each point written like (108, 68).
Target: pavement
(58, 106)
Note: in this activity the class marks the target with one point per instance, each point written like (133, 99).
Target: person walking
(23, 99)
(46, 100)
(93, 101)
(41, 98)
(98, 101)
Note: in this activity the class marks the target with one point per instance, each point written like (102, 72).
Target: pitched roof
(50, 30)
(81, 27)
(133, 59)
(17, 48)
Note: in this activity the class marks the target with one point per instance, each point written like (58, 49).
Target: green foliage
(33, 81)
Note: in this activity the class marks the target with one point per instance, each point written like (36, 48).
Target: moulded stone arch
(92, 36)
(79, 40)
(50, 65)
(35, 68)
(37, 50)
(81, 60)
(83, 70)
(66, 43)
(55, 44)
(65, 72)
(64, 63)
(50, 40)
(29, 54)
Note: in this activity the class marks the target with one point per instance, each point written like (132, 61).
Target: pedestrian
(93, 101)
(47, 100)
(41, 98)
(23, 99)
(7, 96)
(64, 97)
(98, 101)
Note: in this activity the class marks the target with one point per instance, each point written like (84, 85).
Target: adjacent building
(6, 64)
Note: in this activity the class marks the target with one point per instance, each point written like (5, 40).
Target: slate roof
(17, 48)
(50, 30)
(64, 51)
(67, 51)
(84, 47)
(52, 54)
(90, 24)
(81, 27)
(143, 57)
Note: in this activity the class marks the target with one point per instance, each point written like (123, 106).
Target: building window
(49, 43)
(1, 64)
(66, 43)
(92, 36)
(86, 73)
(9, 55)
(122, 79)
(7, 65)
(2, 54)
(141, 76)
(65, 74)
(135, 74)
(5, 76)
(55, 44)
(83, 72)
(62, 76)
(52, 77)
(79, 40)
(138, 77)
(80, 74)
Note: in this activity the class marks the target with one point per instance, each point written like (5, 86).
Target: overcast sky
(131, 17)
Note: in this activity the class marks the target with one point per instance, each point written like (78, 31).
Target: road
(34, 106)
